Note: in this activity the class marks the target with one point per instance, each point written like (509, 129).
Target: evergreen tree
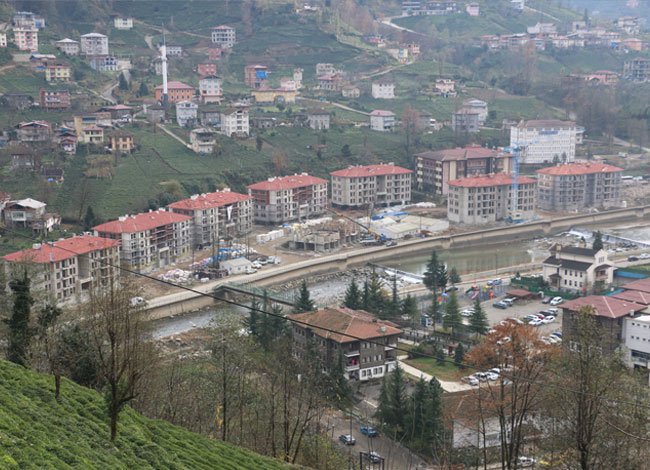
(452, 318)
(598, 241)
(19, 331)
(365, 296)
(441, 357)
(352, 296)
(303, 301)
(124, 85)
(394, 306)
(459, 356)
(454, 277)
(90, 220)
(435, 311)
(340, 387)
(143, 90)
(431, 274)
(376, 296)
(424, 417)
(392, 401)
(409, 308)
(478, 322)
(442, 278)
(259, 142)
(253, 320)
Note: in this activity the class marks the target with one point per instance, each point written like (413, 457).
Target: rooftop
(496, 179)
(209, 200)
(286, 182)
(608, 307)
(578, 169)
(28, 203)
(176, 85)
(642, 285)
(546, 123)
(574, 250)
(61, 249)
(371, 170)
(458, 153)
(635, 296)
(93, 35)
(381, 112)
(141, 222)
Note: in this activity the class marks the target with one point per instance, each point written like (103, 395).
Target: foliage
(452, 318)
(409, 308)
(20, 332)
(459, 356)
(303, 302)
(454, 277)
(478, 322)
(90, 219)
(598, 241)
(435, 276)
(392, 401)
(424, 417)
(352, 297)
(374, 299)
(123, 83)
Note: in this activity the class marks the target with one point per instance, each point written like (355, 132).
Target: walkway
(446, 385)
(172, 135)
(389, 22)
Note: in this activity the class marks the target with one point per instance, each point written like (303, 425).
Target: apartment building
(318, 119)
(255, 76)
(369, 351)
(26, 38)
(235, 121)
(577, 269)
(637, 69)
(545, 141)
(58, 72)
(579, 186)
(186, 113)
(124, 23)
(29, 213)
(94, 44)
(359, 186)
(225, 36)
(480, 200)
(382, 121)
(34, 132)
(383, 90)
(466, 120)
(54, 99)
(210, 89)
(216, 215)
(206, 69)
(434, 170)
(202, 140)
(122, 142)
(286, 198)
(176, 91)
(68, 46)
(68, 268)
(150, 240)
(480, 106)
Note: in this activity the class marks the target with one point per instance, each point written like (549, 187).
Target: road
(172, 135)
(335, 104)
(626, 143)
(554, 18)
(389, 22)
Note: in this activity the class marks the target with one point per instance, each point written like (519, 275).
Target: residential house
(235, 121)
(34, 132)
(202, 140)
(518, 5)
(383, 90)
(94, 44)
(27, 18)
(215, 53)
(68, 46)
(186, 113)
(473, 9)
(16, 101)
(480, 106)
(445, 86)
(465, 120)
(155, 113)
(297, 77)
(288, 83)
(318, 119)
(210, 115)
(542, 28)
(92, 134)
(478, 200)
(104, 63)
(206, 69)
(577, 269)
(434, 169)
(237, 266)
(3, 40)
(210, 89)
(67, 269)
(24, 158)
(29, 213)
(122, 22)
(176, 92)
(545, 141)
(121, 142)
(286, 198)
(58, 72)
(350, 91)
(150, 240)
(256, 76)
(330, 82)
(68, 143)
(630, 24)
(26, 38)
(216, 215)
(101, 119)
(274, 95)
(428, 7)
(637, 69)
(174, 51)
(53, 174)
(367, 353)
(360, 186)
(381, 120)
(225, 36)
(325, 69)
(119, 112)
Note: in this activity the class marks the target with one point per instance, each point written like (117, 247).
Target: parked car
(526, 461)
(482, 376)
(633, 258)
(495, 370)
(467, 312)
(557, 333)
(500, 305)
(549, 319)
(347, 439)
(553, 339)
(546, 300)
(553, 311)
(451, 289)
(492, 376)
(391, 243)
(470, 380)
(535, 322)
(557, 300)
(509, 300)
(494, 282)
(369, 431)
(374, 457)
(515, 320)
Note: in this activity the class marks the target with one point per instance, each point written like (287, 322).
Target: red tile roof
(642, 285)
(469, 152)
(498, 179)
(62, 249)
(286, 182)
(578, 169)
(141, 222)
(176, 86)
(344, 321)
(209, 200)
(371, 170)
(381, 112)
(635, 296)
(604, 306)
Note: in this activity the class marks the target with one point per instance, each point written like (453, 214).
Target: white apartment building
(636, 337)
(94, 44)
(325, 69)
(543, 141)
(383, 90)
(235, 121)
(68, 46)
(123, 23)
(224, 36)
(382, 184)
(68, 268)
(287, 198)
(3, 39)
(210, 89)
(26, 38)
(382, 121)
(150, 240)
(186, 113)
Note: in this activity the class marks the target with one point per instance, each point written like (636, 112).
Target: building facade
(26, 38)
(383, 90)
(545, 141)
(235, 121)
(57, 72)
(68, 46)
(382, 121)
(637, 69)
(94, 44)
(465, 120)
(359, 186)
(34, 132)
(577, 269)
(206, 69)
(202, 140)
(210, 89)
(255, 76)
(29, 213)
(124, 23)
(54, 99)
(318, 119)
(176, 92)
(122, 142)
(225, 36)
(186, 113)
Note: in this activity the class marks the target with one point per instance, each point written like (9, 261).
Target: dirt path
(172, 135)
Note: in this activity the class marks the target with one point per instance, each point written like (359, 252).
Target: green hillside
(38, 432)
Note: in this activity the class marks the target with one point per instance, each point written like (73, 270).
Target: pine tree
(454, 277)
(431, 274)
(143, 90)
(459, 356)
(478, 322)
(253, 320)
(452, 318)
(441, 357)
(435, 311)
(394, 306)
(19, 331)
(365, 296)
(424, 417)
(90, 220)
(376, 296)
(340, 387)
(442, 278)
(352, 296)
(392, 401)
(598, 241)
(124, 85)
(303, 301)
(409, 308)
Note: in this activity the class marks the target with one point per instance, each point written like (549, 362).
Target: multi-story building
(256, 76)
(3, 39)
(445, 86)
(579, 186)
(485, 199)
(367, 353)
(206, 69)
(477, 105)
(465, 120)
(92, 134)
(382, 121)
(637, 69)
(68, 46)
(151, 239)
(383, 90)
(359, 186)
(104, 63)
(186, 113)
(629, 24)
(325, 69)
(473, 9)
(16, 101)
(29, 213)
(202, 140)
(287, 198)
(434, 170)
(121, 22)
(176, 92)
(122, 142)
(225, 36)
(54, 99)
(210, 89)
(235, 121)
(274, 96)
(577, 269)
(174, 51)
(57, 72)
(68, 268)
(99, 119)
(94, 44)
(26, 38)
(350, 91)
(318, 119)
(216, 215)
(545, 141)
(32, 132)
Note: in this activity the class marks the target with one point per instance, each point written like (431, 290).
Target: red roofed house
(176, 92)
(369, 351)
(151, 239)
(358, 186)
(216, 215)
(484, 199)
(69, 267)
(578, 186)
(286, 198)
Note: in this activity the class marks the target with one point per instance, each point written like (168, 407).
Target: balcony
(352, 353)
(352, 367)
(390, 347)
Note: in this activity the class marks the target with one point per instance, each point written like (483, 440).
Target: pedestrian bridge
(284, 298)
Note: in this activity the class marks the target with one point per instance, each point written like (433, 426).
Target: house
(121, 142)
(202, 140)
(149, 240)
(216, 215)
(53, 174)
(94, 44)
(330, 82)
(24, 158)
(297, 77)
(206, 69)
(274, 95)
(16, 101)
(66, 269)
(68, 144)
(630, 24)
(176, 92)
(174, 51)
(545, 141)
(637, 69)
(383, 90)
(225, 36)
(473, 9)
(29, 213)
(210, 115)
(119, 112)
(359, 186)
(57, 72)
(383, 121)
(34, 132)
(186, 113)
(579, 186)
(325, 69)
(235, 121)
(54, 99)
(434, 170)
(350, 91)
(255, 76)
(445, 86)
(479, 106)
(367, 353)
(288, 83)
(3, 39)
(577, 269)
(237, 266)
(632, 44)
(155, 113)
(92, 134)
(26, 38)
(264, 122)
(465, 120)
(542, 28)
(215, 53)
(518, 5)
(286, 198)
(210, 89)
(478, 200)
(100, 119)
(104, 63)
(318, 119)
(68, 46)
(123, 23)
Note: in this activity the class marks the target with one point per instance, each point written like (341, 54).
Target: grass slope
(38, 432)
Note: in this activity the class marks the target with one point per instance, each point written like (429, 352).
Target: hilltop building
(383, 90)
(68, 46)
(176, 92)
(382, 121)
(94, 44)
(225, 36)
(235, 121)
(29, 213)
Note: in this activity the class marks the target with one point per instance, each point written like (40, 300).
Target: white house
(383, 121)
(123, 23)
(577, 269)
(186, 113)
(94, 44)
(210, 89)
(383, 90)
(235, 121)
(236, 266)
